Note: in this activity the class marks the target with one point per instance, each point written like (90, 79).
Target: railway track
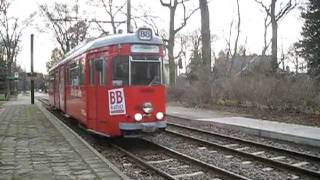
(164, 161)
(170, 163)
(303, 164)
(124, 160)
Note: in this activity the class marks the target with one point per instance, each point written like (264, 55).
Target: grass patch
(2, 97)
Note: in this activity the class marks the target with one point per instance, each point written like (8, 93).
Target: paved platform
(289, 132)
(35, 145)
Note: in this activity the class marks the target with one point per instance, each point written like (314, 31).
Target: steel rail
(223, 172)
(282, 150)
(271, 162)
(144, 163)
(134, 157)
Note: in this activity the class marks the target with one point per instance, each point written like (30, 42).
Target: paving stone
(31, 147)
(81, 172)
(3, 168)
(24, 170)
(66, 177)
(87, 176)
(97, 165)
(64, 168)
(6, 176)
(78, 168)
(63, 173)
(105, 174)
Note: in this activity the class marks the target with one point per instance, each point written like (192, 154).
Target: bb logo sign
(145, 34)
(117, 102)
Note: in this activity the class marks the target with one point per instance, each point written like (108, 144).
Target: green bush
(2, 97)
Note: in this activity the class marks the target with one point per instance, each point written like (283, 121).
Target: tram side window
(74, 74)
(91, 73)
(100, 65)
(81, 71)
(103, 69)
(51, 79)
(120, 71)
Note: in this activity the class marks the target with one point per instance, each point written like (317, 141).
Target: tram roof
(85, 46)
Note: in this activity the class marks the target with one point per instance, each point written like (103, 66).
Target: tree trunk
(172, 64)
(128, 16)
(274, 45)
(266, 45)
(235, 52)
(8, 83)
(114, 28)
(205, 35)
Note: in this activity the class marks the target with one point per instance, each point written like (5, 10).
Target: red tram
(113, 85)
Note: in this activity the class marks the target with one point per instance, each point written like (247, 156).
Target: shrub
(282, 92)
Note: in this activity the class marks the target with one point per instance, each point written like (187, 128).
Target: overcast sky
(221, 15)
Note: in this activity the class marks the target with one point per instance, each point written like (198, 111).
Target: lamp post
(32, 78)
(128, 16)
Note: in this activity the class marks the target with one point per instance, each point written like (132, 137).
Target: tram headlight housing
(138, 117)
(147, 107)
(159, 115)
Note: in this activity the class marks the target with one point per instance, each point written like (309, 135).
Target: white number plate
(145, 34)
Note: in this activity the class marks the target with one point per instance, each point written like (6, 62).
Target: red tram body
(113, 85)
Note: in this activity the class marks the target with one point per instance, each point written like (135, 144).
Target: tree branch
(266, 9)
(284, 11)
(185, 16)
(165, 4)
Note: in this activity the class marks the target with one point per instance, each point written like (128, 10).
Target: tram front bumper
(144, 127)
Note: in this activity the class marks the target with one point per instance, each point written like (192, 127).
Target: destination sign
(141, 48)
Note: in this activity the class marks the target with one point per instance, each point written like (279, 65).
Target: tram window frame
(91, 72)
(81, 71)
(74, 79)
(51, 80)
(144, 72)
(123, 78)
(103, 72)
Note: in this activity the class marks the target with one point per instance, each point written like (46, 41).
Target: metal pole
(128, 16)
(32, 77)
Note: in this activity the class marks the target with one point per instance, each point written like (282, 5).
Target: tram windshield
(145, 71)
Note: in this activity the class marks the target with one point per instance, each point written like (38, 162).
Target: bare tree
(113, 11)
(228, 41)
(10, 34)
(144, 15)
(56, 56)
(235, 49)
(265, 41)
(194, 67)
(205, 34)
(275, 17)
(293, 55)
(172, 6)
(65, 22)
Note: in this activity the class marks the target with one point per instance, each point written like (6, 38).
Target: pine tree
(310, 44)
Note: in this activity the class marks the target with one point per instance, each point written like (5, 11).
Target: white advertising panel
(117, 102)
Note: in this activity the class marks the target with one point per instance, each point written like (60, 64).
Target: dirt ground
(286, 117)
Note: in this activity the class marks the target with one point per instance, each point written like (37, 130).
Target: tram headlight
(147, 107)
(159, 115)
(138, 117)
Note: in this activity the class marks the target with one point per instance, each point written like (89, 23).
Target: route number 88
(145, 34)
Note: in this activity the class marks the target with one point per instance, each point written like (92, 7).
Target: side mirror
(98, 63)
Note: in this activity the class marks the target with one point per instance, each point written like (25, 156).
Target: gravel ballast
(210, 126)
